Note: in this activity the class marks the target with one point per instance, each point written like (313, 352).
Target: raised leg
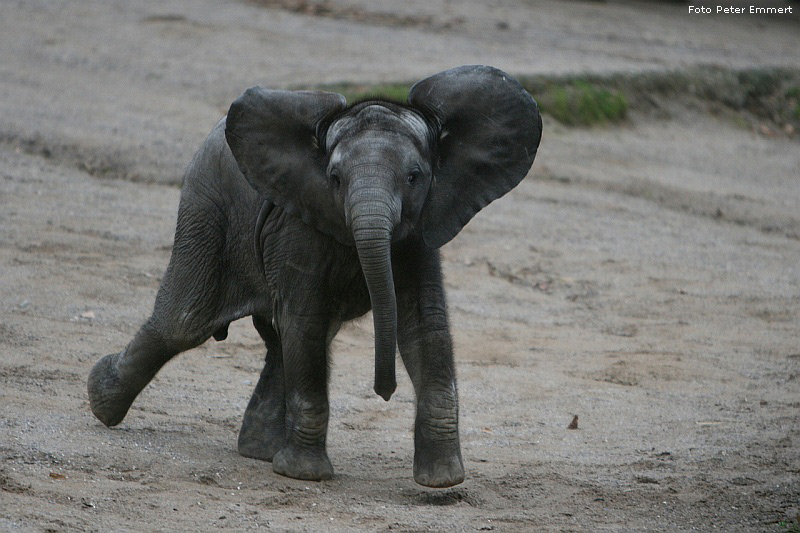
(116, 379)
(305, 364)
(427, 352)
(263, 427)
(189, 309)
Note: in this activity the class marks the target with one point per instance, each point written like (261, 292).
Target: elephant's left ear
(274, 137)
(489, 131)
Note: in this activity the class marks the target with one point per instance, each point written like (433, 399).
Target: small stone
(574, 423)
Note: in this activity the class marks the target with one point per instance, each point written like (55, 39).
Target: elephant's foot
(298, 462)
(262, 434)
(437, 457)
(108, 397)
(438, 470)
(437, 450)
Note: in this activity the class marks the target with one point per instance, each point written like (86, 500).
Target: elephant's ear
(489, 131)
(275, 139)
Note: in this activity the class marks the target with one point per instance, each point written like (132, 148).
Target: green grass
(582, 103)
(586, 100)
(789, 527)
(574, 103)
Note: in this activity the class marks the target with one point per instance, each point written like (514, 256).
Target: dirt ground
(645, 278)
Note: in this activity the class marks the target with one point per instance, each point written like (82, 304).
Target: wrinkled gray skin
(304, 213)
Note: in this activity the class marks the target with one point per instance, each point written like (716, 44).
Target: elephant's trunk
(373, 213)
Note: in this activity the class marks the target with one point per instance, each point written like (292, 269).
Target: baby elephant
(305, 212)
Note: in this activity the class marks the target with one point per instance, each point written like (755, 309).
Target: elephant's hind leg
(189, 309)
(263, 427)
(116, 379)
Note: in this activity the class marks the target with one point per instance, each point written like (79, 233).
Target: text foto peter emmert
(749, 10)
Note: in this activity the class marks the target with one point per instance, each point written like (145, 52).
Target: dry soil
(644, 277)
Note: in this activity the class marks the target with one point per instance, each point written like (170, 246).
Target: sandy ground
(645, 278)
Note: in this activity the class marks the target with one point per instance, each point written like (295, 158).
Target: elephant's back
(214, 171)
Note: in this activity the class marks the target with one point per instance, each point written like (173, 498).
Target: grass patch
(755, 95)
(791, 527)
(582, 103)
(574, 103)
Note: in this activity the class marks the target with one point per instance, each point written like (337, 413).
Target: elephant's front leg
(437, 450)
(427, 352)
(305, 365)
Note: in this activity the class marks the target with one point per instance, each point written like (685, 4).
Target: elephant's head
(378, 172)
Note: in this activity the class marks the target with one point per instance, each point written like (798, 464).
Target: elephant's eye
(335, 180)
(413, 177)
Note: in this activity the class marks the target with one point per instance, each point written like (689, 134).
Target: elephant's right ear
(274, 137)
